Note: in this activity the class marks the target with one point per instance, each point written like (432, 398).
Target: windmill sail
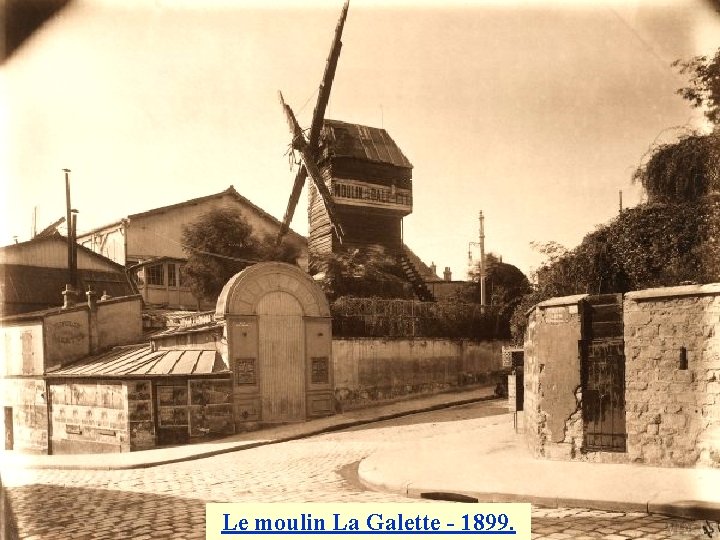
(308, 148)
(309, 167)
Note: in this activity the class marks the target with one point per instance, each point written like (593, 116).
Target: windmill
(361, 182)
(308, 147)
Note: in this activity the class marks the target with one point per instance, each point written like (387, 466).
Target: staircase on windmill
(361, 183)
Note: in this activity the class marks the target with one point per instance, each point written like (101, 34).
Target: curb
(247, 446)
(696, 510)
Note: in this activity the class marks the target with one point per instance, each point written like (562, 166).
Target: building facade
(151, 243)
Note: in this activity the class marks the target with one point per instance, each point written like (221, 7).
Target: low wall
(370, 370)
(672, 351)
(119, 321)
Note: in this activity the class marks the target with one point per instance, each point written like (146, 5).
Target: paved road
(168, 501)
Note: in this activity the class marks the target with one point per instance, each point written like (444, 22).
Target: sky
(536, 113)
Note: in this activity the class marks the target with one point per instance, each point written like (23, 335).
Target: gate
(279, 345)
(281, 358)
(603, 373)
(9, 436)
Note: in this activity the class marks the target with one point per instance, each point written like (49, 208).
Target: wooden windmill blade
(292, 202)
(309, 167)
(327, 80)
(309, 148)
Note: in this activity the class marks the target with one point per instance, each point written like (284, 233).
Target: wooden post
(73, 244)
(68, 221)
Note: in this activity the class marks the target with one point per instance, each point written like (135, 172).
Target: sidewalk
(150, 458)
(492, 464)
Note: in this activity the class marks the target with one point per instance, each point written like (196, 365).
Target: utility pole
(620, 201)
(68, 222)
(482, 258)
(481, 245)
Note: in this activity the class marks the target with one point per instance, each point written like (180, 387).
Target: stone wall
(370, 370)
(553, 424)
(672, 349)
(672, 379)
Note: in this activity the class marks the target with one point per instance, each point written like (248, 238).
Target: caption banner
(397, 520)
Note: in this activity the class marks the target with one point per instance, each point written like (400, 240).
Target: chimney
(92, 316)
(68, 296)
(91, 299)
(433, 268)
(447, 275)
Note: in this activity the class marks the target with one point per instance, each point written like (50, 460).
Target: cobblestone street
(169, 501)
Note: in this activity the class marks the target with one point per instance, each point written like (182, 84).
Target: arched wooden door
(281, 352)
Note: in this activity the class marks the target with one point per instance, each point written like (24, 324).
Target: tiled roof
(141, 361)
(362, 142)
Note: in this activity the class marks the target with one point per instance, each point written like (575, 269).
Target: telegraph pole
(481, 245)
(68, 222)
(482, 258)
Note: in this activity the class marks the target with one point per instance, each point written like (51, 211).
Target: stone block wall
(672, 349)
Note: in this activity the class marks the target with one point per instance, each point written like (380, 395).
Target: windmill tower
(361, 182)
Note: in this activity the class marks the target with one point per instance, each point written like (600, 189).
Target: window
(155, 275)
(139, 277)
(172, 281)
(320, 370)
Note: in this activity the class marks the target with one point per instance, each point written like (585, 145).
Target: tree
(505, 286)
(689, 168)
(704, 88)
(220, 244)
(673, 239)
(685, 170)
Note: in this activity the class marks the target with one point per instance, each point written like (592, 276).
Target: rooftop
(141, 361)
(362, 142)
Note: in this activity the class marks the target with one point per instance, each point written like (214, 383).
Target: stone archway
(279, 337)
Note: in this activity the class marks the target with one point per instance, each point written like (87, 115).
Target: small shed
(138, 397)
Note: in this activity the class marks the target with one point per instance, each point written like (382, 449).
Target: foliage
(704, 89)
(505, 286)
(364, 272)
(673, 239)
(384, 317)
(647, 246)
(220, 244)
(682, 171)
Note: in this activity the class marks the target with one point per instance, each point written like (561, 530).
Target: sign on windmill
(308, 148)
